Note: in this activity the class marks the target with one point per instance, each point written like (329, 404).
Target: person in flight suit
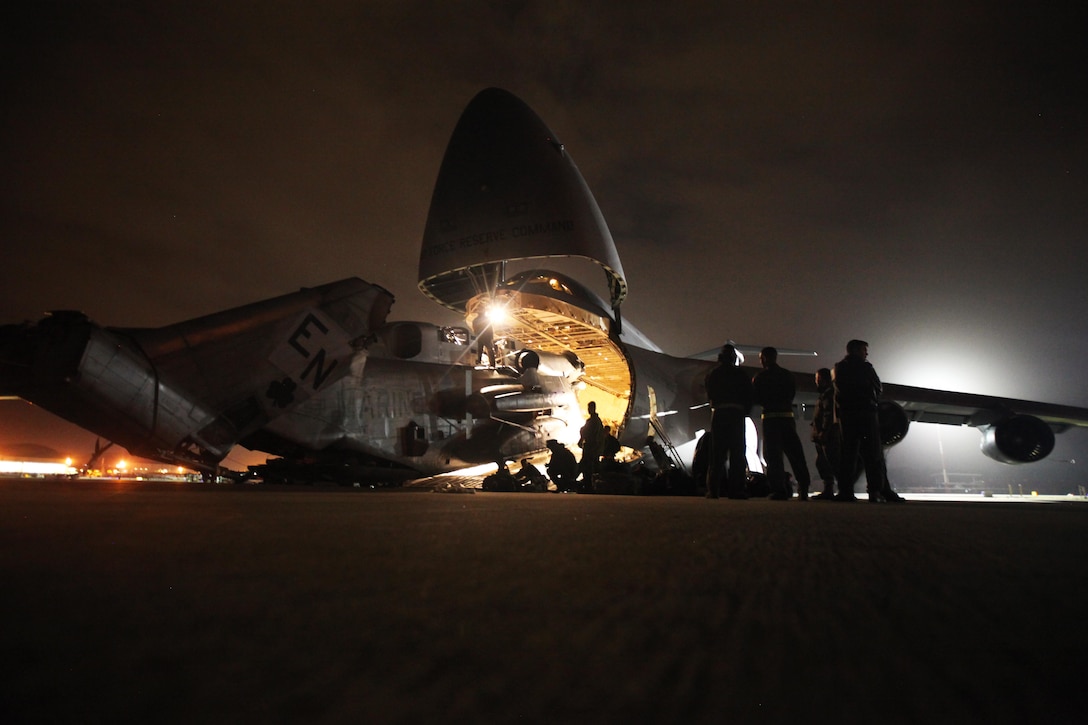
(774, 390)
(730, 394)
(857, 400)
(591, 441)
(562, 467)
(825, 434)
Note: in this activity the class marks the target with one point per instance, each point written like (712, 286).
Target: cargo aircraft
(320, 379)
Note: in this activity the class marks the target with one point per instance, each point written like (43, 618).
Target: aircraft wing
(942, 406)
(1013, 431)
(926, 405)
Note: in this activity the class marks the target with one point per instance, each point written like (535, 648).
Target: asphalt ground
(126, 601)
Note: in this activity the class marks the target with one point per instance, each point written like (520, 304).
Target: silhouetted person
(486, 350)
(501, 479)
(529, 476)
(730, 394)
(857, 398)
(825, 434)
(591, 441)
(562, 467)
(775, 390)
(610, 449)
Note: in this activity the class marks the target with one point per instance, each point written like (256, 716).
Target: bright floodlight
(496, 314)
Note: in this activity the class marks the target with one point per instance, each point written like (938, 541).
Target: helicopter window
(453, 335)
(406, 341)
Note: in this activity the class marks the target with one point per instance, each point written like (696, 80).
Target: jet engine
(893, 422)
(1018, 439)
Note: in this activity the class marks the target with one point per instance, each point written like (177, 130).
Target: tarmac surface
(126, 601)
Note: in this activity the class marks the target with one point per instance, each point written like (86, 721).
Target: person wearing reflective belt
(730, 394)
(774, 391)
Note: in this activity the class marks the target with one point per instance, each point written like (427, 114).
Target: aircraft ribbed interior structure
(531, 313)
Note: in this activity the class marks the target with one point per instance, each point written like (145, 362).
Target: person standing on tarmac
(775, 390)
(857, 400)
(591, 441)
(730, 394)
(825, 434)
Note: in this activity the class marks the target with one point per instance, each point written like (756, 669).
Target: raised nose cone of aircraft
(507, 190)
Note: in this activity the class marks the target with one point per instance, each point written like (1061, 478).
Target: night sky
(796, 176)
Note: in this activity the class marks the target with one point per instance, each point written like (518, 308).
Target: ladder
(660, 434)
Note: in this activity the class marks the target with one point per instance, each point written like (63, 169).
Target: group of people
(845, 428)
(599, 448)
(569, 474)
(527, 478)
(845, 432)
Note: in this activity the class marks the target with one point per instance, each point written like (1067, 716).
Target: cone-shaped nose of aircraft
(507, 190)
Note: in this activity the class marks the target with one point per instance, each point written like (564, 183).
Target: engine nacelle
(565, 365)
(1019, 439)
(532, 402)
(893, 422)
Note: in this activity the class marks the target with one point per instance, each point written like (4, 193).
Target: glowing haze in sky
(795, 175)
